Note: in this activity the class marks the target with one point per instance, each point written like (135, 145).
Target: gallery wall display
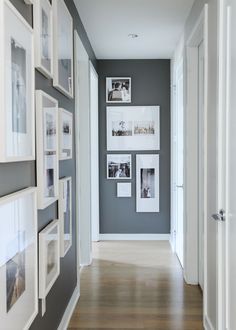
(18, 259)
(63, 48)
(119, 166)
(17, 130)
(43, 32)
(49, 257)
(65, 215)
(133, 128)
(47, 149)
(124, 189)
(147, 183)
(118, 90)
(65, 134)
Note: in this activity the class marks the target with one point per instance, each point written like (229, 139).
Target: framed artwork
(63, 48)
(119, 167)
(47, 149)
(49, 257)
(133, 128)
(147, 183)
(118, 90)
(124, 189)
(18, 259)
(65, 215)
(65, 134)
(17, 127)
(43, 31)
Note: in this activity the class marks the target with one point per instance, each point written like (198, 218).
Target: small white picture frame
(124, 189)
(65, 215)
(49, 257)
(119, 167)
(65, 134)
(118, 90)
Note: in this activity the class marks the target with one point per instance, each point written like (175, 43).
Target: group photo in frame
(133, 128)
(47, 149)
(65, 134)
(17, 121)
(118, 90)
(18, 259)
(119, 166)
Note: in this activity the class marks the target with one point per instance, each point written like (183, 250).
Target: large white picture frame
(133, 128)
(119, 166)
(65, 134)
(43, 33)
(118, 90)
(147, 183)
(65, 215)
(17, 122)
(63, 78)
(18, 259)
(47, 149)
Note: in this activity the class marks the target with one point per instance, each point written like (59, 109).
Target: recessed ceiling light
(133, 35)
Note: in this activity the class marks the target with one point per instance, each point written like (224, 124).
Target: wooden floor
(136, 285)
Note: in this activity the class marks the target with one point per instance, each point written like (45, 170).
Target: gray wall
(150, 86)
(16, 176)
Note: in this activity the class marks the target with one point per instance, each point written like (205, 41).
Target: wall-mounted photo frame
(63, 78)
(49, 257)
(65, 215)
(18, 259)
(43, 32)
(65, 134)
(147, 183)
(118, 90)
(133, 128)
(124, 189)
(47, 149)
(17, 122)
(119, 167)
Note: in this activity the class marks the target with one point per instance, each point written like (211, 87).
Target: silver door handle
(219, 216)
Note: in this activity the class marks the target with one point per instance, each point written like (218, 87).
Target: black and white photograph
(147, 177)
(51, 256)
(122, 128)
(50, 174)
(144, 128)
(119, 166)
(46, 61)
(65, 134)
(118, 90)
(50, 126)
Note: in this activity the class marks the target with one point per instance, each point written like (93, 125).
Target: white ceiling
(159, 24)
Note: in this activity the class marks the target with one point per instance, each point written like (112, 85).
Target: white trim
(207, 324)
(69, 310)
(134, 237)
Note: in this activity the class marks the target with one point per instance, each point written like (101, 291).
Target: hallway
(136, 285)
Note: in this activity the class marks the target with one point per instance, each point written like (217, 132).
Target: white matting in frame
(133, 128)
(65, 134)
(18, 259)
(124, 189)
(17, 122)
(147, 183)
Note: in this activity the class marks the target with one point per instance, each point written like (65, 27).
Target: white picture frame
(49, 257)
(65, 134)
(119, 166)
(147, 183)
(124, 189)
(65, 215)
(133, 128)
(63, 62)
(118, 90)
(17, 121)
(43, 33)
(18, 259)
(47, 149)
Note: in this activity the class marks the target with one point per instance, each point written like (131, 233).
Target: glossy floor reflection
(136, 285)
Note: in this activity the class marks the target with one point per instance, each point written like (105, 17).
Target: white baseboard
(69, 310)
(134, 237)
(207, 323)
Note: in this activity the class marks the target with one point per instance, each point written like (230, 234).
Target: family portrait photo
(118, 90)
(147, 182)
(119, 166)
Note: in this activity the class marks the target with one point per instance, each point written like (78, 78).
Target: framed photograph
(63, 48)
(17, 122)
(119, 167)
(65, 215)
(124, 189)
(147, 183)
(47, 149)
(43, 32)
(118, 90)
(133, 128)
(65, 134)
(18, 259)
(49, 257)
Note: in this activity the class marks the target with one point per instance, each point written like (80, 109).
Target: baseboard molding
(207, 323)
(134, 237)
(69, 310)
